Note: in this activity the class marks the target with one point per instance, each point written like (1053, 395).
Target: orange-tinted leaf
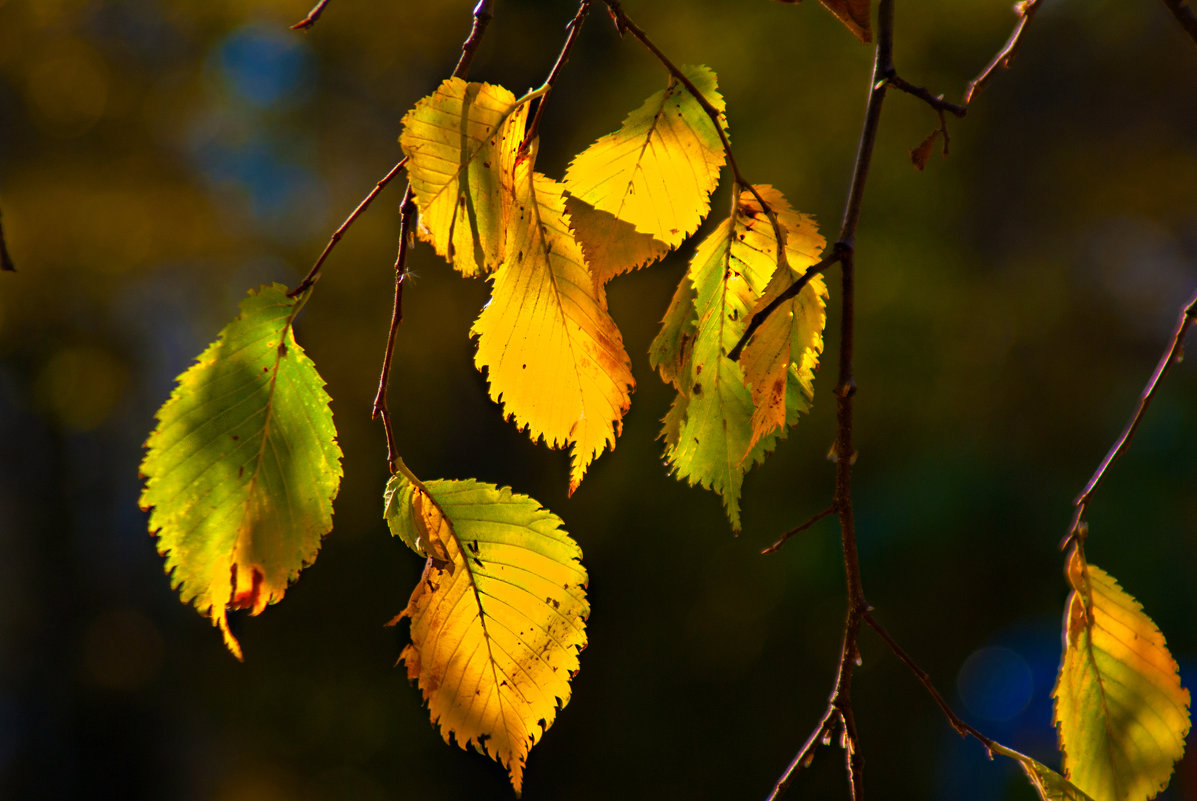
(780, 360)
(496, 626)
(855, 14)
(1121, 712)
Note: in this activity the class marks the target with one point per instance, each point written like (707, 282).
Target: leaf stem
(314, 274)
(1025, 10)
(1172, 354)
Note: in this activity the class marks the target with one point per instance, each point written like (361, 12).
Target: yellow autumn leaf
(555, 358)
(656, 173)
(1121, 712)
(611, 246)
(781, 358)
(497, 624)
(461, 144)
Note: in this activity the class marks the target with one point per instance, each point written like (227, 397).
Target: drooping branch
(1172, 354)
(314, 274)
(1025, 11)
(574, 27)
(483, 14)
(407, 218)
(1183, 11)
(311, 18)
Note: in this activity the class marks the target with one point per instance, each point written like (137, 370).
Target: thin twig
(6, 264)
(311, 18)
(962, 728)
(574, 27)
(934, 101)
(407, 217)
(1173, 354)
(483, 14)
(830, 510)
(836, 255)
(1185, 16)
(314, 274)
(1025, 11)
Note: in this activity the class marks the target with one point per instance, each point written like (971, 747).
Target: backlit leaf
(243, 467)
(1050, 785)
(855, 14)
(461, 143)
(1121, 712)
(554, 356)
(496, 626)
(611, 246)
(780, 360)
(670, 349)
(715, 441)
(656, 173)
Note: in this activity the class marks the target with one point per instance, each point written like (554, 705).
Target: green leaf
(1121, 712)
(1050, 785)
(497, 625)
(656, 173)
(243, 466)
(714, 433)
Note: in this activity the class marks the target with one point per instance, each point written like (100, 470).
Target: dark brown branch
(837, 255)
(407, 217)
(314, 274)
(1173, 354)
(830, 510)
(845, 454)
(311, 18)
(6, 264)
(574, 27)
(1185, 16)
(934, 101)
(1025, 11)
(483, 14)
(962, 728)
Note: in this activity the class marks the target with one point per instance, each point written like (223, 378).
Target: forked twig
(314, 274)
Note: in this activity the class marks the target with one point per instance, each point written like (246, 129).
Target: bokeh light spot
(68, 89)
(995, 683)
(262, 65)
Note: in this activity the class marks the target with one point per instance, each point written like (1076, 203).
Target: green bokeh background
(158, 159)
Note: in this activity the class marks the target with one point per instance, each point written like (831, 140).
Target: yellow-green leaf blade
(658, 170)
(611, 245)
(461, 144)
(1121, 712)
(780, 360)
(554, 356)
(1050, 785)
(714, 444)
(496, 628)
(243, 466)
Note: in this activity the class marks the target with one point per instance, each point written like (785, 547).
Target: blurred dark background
(158, 159)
